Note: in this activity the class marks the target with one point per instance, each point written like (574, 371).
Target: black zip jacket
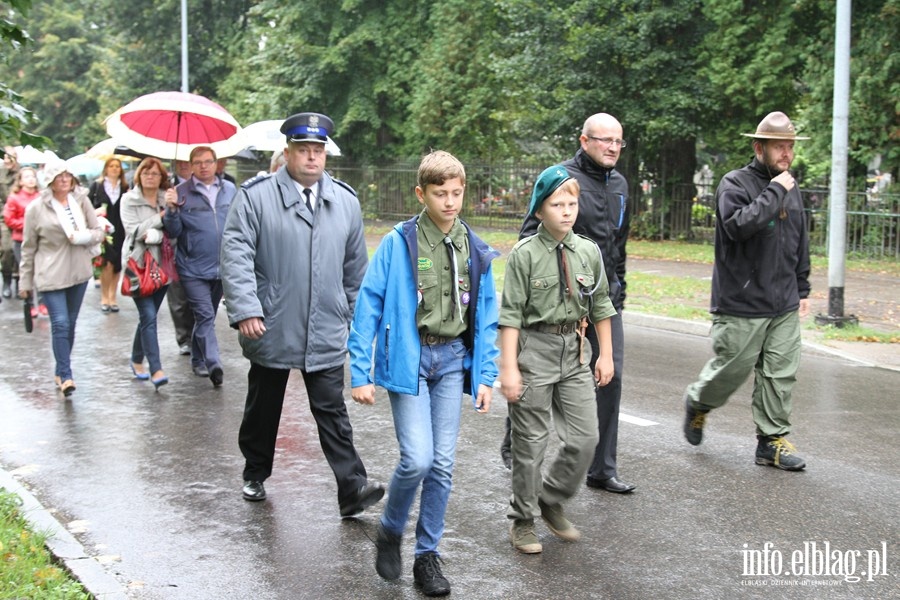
(603, 216)
(762, 246)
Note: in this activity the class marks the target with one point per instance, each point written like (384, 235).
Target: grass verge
(28, 570)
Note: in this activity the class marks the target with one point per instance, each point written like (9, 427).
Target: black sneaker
(779, 453)
(387, 557)
(216, 375)
(694, 420)
(427, 575)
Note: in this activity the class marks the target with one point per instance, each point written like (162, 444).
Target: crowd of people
(423, 319)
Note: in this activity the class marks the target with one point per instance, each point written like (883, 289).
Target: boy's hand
(483, 402)
(365, 394)
(511, 383)
(604, 370)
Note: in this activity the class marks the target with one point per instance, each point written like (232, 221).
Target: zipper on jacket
(387, 347)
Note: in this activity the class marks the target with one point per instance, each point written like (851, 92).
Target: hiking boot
(557, 522)
(387, 557)
(427, 575)
(777, 452)
(521, 533)
(694, 419)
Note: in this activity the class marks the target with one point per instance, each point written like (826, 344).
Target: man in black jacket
(603, 216)
(760, 291)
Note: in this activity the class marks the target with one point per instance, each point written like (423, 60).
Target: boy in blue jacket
(428, 300)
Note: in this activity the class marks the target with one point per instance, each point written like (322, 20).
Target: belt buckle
(565, 328)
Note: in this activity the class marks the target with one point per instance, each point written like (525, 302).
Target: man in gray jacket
(293, 258)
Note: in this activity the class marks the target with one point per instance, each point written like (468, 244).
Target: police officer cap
(547, 183)
(307, 127)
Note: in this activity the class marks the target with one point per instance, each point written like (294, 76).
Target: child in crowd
(428, 300)
(554, 283)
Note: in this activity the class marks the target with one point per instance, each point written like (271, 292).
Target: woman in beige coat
(61, 237)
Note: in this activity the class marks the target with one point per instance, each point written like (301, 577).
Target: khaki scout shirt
(437, 313)
(531, 287)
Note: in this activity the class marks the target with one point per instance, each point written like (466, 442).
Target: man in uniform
(293, 258)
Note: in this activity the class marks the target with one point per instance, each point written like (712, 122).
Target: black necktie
(308, 193)
(564, 289)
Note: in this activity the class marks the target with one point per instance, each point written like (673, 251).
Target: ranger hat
(307, 127)
(775, 126)
(547, 182)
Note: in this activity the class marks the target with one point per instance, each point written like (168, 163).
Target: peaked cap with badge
(307, 127)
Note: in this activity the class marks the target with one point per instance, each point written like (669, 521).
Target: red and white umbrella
(170, 124)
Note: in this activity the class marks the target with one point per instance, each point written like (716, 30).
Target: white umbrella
(32, 156)
(85, 165)
(266, 136)
(111, 147)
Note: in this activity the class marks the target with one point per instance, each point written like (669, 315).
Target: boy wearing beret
(555, 282)
(428, 301)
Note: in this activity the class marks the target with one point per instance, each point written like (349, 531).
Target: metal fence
(497, 196)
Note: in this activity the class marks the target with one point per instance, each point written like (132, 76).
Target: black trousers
(608, 399)
(182, 317)
(262, 415)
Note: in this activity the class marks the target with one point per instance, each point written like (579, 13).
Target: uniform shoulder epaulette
(585, 238)
(344, 185)
(254, 180)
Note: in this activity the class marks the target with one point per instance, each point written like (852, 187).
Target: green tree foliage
(52, 76)
(14, 117)
(874, 127)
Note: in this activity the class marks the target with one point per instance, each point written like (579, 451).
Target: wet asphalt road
(150, 483)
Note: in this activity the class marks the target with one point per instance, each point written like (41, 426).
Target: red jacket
(14, 212)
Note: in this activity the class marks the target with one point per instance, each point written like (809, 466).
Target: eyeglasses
(151, 174)
(203, 163)
(609, 141)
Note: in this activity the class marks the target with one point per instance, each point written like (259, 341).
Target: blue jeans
(63, 306)
(146, 341)
(427, 426)
(203, 296)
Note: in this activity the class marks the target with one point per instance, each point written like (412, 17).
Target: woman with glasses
(60, 239)
(141, 213)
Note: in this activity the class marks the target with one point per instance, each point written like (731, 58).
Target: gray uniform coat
(298, 271)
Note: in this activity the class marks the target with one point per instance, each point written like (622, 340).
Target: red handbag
(141, 281)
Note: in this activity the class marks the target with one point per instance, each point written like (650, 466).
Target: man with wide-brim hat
(760, 291)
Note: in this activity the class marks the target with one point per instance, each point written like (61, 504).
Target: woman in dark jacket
(105, 193)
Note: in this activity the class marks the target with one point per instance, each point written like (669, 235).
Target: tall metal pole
(837, 210)
(184, 46)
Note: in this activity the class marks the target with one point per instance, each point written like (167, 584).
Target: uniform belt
(429, 339)
(561, 328)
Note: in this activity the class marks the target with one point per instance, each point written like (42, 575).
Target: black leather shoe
(364, 497)
(254, 491)
(610, 485)
(216, 375)
(387, 557)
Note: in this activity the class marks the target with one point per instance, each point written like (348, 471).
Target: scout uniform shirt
(443, 302)
(536, 290)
